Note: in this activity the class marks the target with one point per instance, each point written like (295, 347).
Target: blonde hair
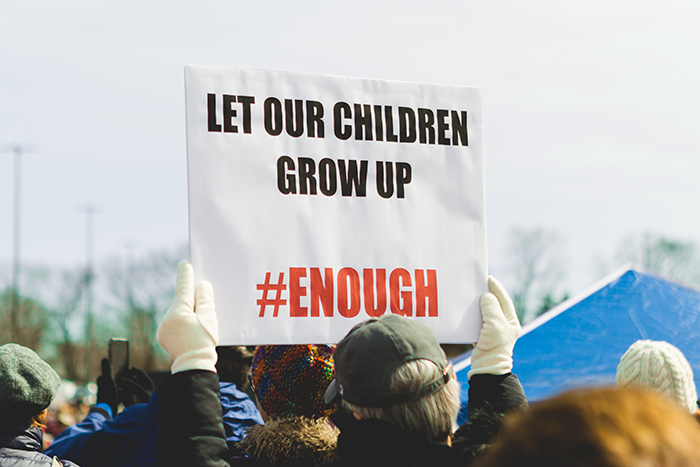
(605, 427)
(39, 420)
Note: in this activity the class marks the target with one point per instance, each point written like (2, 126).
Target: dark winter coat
(190, 421)
(190, 427)
(366, 443)
(21, 447)
(372, 442)
(491, 397)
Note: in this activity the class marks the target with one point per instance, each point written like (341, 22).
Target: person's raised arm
(190, 424)
(493, 389)
(493, 353)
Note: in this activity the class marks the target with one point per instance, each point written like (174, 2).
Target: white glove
(493, 354)
(189, 331)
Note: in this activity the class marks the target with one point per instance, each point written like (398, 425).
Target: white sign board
(317, 202)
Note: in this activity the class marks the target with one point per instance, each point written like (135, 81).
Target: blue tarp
(579, 343)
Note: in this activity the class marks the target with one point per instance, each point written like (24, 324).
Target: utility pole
(89, 276)
(18, 150)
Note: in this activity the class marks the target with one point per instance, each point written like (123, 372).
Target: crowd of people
(384, 395)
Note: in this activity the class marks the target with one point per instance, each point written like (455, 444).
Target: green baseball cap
(369, 355)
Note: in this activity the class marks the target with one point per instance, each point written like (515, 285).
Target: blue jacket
(240, 413)
(130, 439)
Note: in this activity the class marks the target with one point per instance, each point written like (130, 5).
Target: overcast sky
(591, 109)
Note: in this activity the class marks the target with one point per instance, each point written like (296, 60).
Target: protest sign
(317, 202)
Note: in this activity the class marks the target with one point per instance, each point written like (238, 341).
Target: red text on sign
(407, 294)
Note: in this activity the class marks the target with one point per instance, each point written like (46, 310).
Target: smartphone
(118, 355)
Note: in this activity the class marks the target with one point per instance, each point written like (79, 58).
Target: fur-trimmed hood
(294, 441)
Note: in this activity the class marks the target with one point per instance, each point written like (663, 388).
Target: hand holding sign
(189, 331)
(493, 353)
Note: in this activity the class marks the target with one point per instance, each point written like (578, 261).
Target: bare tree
(128, 301)
(70, 349)
(536, 263)
(33, 320)
(676, 259)
(143, 290)
(52, 329)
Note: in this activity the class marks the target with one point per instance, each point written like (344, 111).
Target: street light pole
(18, 150)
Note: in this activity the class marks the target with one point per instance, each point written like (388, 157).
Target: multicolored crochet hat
(291, 380)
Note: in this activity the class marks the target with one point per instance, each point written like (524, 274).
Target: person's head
(605, 427)
(233, 365)
(290, 380)
(393, 369)
(660, 367)
(27, 386)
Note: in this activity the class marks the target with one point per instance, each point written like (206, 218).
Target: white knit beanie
(660, 367)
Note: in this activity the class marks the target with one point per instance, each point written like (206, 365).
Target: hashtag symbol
(264, 302)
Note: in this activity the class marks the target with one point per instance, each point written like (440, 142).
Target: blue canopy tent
(579, 343)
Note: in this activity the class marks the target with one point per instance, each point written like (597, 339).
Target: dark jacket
(377, 443)
(490, 398)
(190, 423)
(190, 427)
(21, 447)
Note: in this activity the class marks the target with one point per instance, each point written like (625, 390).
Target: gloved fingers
(107, 391)
(494, 322)
(131, 393)
(106, 368)
(506, 304)
(189, 330)
(139, 377)
(206, 311)
(182, 306)
(135, 387)
(185, 284)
